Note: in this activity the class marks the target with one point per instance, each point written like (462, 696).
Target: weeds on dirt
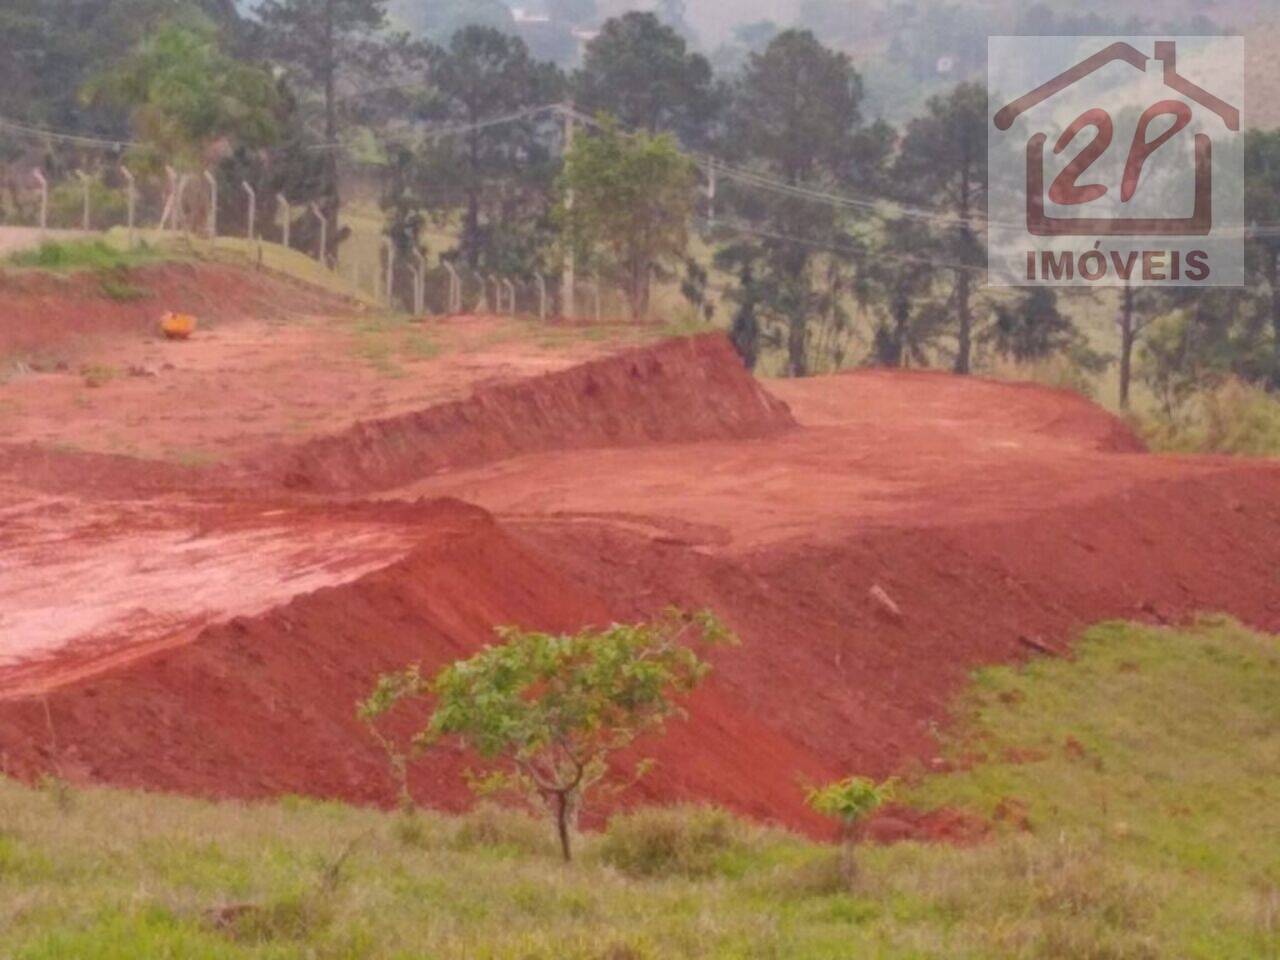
(116, 285)
(1150, 813)
(98, 374)
(83, 255)
(1232, 418)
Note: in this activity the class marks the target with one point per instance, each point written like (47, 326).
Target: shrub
(665, 841)
(488, 825)
(1233, 418)
(849, 801)
(546, 712)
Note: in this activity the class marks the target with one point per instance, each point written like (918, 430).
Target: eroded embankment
(50, 314)
(826, 681)
(265, 705)
(677, 391)
(680, 390)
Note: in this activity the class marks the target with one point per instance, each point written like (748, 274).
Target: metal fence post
(322, 256)
(44, 199)
(167, 216)
(282, 207)
(419, 284)
(213, 204)
(131, 200)
(84, 190)
(455, 288)
(253, 206)
(390, 248)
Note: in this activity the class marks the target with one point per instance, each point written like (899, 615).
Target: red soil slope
(680, 390)
(998, 518)
(44, 311)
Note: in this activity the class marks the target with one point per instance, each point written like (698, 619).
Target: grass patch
(1148, 769)
(65, 256)
(1233, 418)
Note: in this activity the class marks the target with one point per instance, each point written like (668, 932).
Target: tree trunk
(471, 227)
(1273, 279)
(562, 825)
(1126, 344)
(798, 345)
(330, 202)
(848, 859)
(964, 338)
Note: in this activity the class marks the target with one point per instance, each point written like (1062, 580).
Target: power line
(82, 139)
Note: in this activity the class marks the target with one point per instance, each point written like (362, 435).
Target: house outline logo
(1066, 190)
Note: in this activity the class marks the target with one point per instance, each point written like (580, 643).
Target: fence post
(179, 213)
(420, 284)
(213, 204)
(390, 248)
(84, 189)
(711, 191)
(595, 290)
(212, 221)
(566, 277)
(44, 199)
(170, 194)
(282, 207)
(324, 235)
(511, 296)
(253, 206)
(455, 289)
(542, 297)
(131, 200)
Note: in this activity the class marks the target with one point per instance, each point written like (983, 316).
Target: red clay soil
(43, 311)
(996, 518)
(680, 390)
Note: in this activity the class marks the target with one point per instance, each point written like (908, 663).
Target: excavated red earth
(680, 390)
(999, 519)
(44, 310)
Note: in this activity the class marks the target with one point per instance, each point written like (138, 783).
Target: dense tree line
(806, 229)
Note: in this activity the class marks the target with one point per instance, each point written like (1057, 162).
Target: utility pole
(566, 276)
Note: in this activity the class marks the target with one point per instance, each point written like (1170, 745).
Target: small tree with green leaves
(547, 711)
(850, 801)
(633, 196)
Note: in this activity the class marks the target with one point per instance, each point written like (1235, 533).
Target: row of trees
(806, 223)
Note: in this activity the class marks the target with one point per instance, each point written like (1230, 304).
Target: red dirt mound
(992, 517)
(265, 705)
(47, 312)
(675, 391)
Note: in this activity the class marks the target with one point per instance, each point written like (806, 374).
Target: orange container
(177, 326)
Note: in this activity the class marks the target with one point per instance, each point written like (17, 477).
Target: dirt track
(996, 516)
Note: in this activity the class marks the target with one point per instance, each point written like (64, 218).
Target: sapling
(547, 711)
(849, 801)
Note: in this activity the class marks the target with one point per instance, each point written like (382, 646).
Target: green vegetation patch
(1134, 793)
(65, 256)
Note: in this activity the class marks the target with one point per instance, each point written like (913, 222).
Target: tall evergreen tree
(795, 117)
(500, 175)
(321, 42)
(942, 165)
(641, 71)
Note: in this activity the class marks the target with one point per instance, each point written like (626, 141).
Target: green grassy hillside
(1134, 793)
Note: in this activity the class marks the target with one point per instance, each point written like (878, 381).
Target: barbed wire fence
(65, 184)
